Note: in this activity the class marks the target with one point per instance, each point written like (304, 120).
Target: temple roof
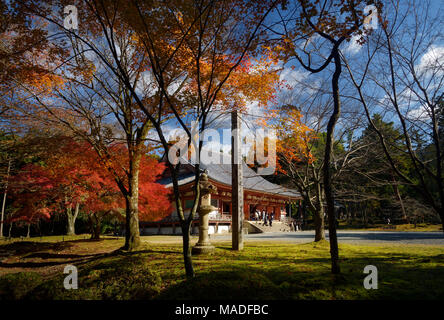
(222, 173)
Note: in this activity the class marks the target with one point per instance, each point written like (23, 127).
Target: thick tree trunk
(132, 232)
(71, 220)
(97, 230)
(70, 223)
(95, 227)
(187, 258)
(334, 250)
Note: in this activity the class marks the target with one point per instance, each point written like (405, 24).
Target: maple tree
(105, 200)
(213, 42)
(31, 189)
(148, 63)
(80, 101)
(73, 179)
(298, 150)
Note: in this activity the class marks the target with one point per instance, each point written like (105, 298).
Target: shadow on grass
(77, 259)
(311, 279)
(260, 273)
(225, 248)
(22, 247)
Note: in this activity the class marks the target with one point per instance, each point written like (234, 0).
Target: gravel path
(356, 237)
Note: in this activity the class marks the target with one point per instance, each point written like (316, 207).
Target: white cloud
(420, 113)
(353, 46)
(293, 77)
(432, 61)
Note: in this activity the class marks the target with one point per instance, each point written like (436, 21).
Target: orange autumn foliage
(293, 137)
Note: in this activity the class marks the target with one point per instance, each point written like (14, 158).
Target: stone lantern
(205, 207)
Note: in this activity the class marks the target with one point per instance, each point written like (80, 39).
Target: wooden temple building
(259, 194)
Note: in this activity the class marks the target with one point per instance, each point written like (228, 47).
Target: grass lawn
(263, 270)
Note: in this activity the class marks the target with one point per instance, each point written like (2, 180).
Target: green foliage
(317, 147)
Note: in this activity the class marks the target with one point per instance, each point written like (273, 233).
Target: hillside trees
(368, 187)
(404, 67)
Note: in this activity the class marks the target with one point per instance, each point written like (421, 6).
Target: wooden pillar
(237, 193)
(247, 212)
(289, 209)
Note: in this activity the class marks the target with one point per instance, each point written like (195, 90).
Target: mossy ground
(420, 227)
(263, 270)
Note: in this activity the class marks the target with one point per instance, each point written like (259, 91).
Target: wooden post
(237, 193)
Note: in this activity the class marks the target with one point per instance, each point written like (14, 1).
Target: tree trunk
(29, 231)
(441, 214)
(187, 258)
(4, 199)
(71, 220)
(97, 230)
(318, 216)
(334, 250)
(319, 224)
(10, 230)
(398, 195)
(132, 232)
(304, 210)
(95, 227)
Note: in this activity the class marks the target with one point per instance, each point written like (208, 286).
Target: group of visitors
(266, 217)
(296, 225)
